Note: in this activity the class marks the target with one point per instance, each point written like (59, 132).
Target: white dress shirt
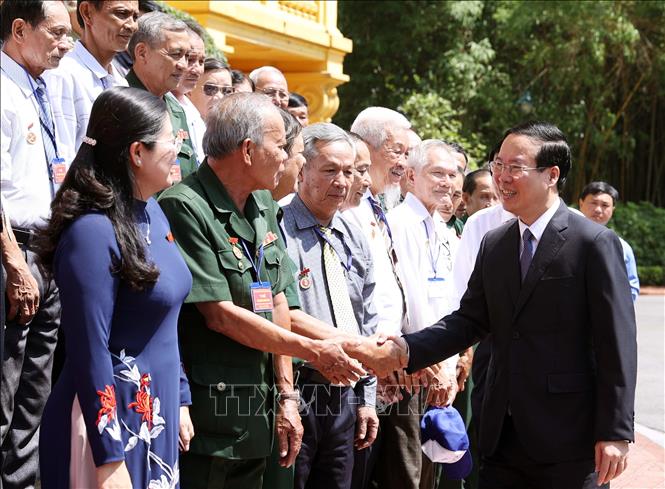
(73, 87)
(425, 250)
(387, 294)
(24, 174)
(475, 229)
(538, 226)
(197, 127)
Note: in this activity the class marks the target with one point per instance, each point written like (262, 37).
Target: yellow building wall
(300, 38)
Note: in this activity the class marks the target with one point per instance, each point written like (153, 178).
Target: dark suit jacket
(564, 352)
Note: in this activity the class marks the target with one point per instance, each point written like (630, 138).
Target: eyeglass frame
(282, 94)
(176, 142)
(512, 169)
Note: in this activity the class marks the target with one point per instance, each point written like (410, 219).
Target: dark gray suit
(563, 348)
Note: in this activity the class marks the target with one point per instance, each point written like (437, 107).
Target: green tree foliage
(469, 70)
(643, 227)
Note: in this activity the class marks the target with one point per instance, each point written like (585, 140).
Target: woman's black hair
(100, 179)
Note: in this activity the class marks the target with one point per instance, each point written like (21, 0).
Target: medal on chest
(304, 279)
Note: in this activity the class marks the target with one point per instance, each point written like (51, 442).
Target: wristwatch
(294, 395)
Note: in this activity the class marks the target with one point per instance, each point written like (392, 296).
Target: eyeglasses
(211, 90)
(275, 92)
(176, 142)
(515, 171)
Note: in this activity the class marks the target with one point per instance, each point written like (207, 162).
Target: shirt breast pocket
(274, 262)
(236, 268)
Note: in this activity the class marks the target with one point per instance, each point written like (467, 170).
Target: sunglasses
(211, 90)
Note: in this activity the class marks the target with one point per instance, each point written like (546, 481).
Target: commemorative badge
(305, 280)
(235, 248)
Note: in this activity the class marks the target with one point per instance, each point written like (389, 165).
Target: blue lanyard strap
(347, 265)
(256, 265)
(50, 131)
(432, 261)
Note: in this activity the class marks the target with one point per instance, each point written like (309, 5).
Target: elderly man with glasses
(271, 82)
(159, 49)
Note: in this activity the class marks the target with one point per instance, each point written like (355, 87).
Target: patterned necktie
(381, 217)
(527, 253)
(46, 126)
(345, 320)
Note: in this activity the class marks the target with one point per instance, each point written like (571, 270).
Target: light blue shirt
(631, 268)
(305, 248)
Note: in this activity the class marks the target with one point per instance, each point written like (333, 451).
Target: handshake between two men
(387, 357)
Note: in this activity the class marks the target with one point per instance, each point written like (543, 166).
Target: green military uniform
(457, 224)
(231, 384)
(187, 155)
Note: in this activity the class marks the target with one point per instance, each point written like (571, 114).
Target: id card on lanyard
(260, 292)
(176, 174)
(436, 286)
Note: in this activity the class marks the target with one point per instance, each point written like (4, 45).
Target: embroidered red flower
(304, 272)
(107, 400)
(143, 403)
(233, 241)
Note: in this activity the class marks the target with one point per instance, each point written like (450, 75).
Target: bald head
(271, 82)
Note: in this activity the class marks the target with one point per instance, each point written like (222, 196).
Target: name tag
(176, 175)
(59, 169)
(261, 296)
(436, 287)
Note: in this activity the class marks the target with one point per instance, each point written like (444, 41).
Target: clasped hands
(386, 357)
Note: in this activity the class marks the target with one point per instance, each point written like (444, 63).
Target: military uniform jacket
(187, 155)
(231, 384)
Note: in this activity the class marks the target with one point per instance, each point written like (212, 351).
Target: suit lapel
(550, 243)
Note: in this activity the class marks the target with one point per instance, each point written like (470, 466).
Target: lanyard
(438, 245)
(347, 265)
(50, 131)
(259, 262)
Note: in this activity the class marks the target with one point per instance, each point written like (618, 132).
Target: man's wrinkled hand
(335, 364)
(464, 368)
(388, 390)
(441, 387)
(367, 427)
(22, 294)
(382, 356)
(611, 460)
(289, 432)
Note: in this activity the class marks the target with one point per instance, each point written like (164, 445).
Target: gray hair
(323, 132)
(419, 154)
(256, 74)
(373, 123)
(152, 29)
(237, 117)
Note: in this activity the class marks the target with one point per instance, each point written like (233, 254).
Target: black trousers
(26, 383)
(511, 467)
(326, 457)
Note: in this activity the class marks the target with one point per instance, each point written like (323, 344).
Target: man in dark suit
(551, 288)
